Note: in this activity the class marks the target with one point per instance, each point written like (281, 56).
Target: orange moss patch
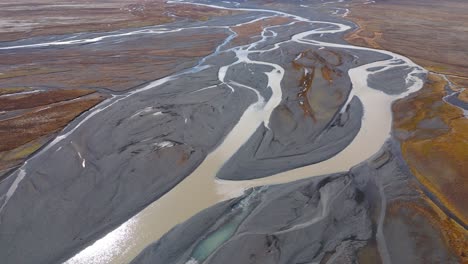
(460, 82)
(404, 27)
(13, 90)
(306, 62)
(14, 157)
(47, 17)
(327, 74)
(24, 134)
(119, 67)
(463, 96)
(454, 236)
(246, 32)
(437, 156)
(369, 254)
(363, 36)
(22, 129)
(306, 84)
(15, 102)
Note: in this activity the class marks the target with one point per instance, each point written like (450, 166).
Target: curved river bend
(201, 189)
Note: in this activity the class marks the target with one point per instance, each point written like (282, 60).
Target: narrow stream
(201, 190)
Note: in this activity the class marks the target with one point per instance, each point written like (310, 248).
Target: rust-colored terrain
(307, 62)
(117, 65)
(250, 32)
(23, 19)
(433, 133)
(422, 211)
(114, 66)
(432, 33)
(27, 121)
(433, 136)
